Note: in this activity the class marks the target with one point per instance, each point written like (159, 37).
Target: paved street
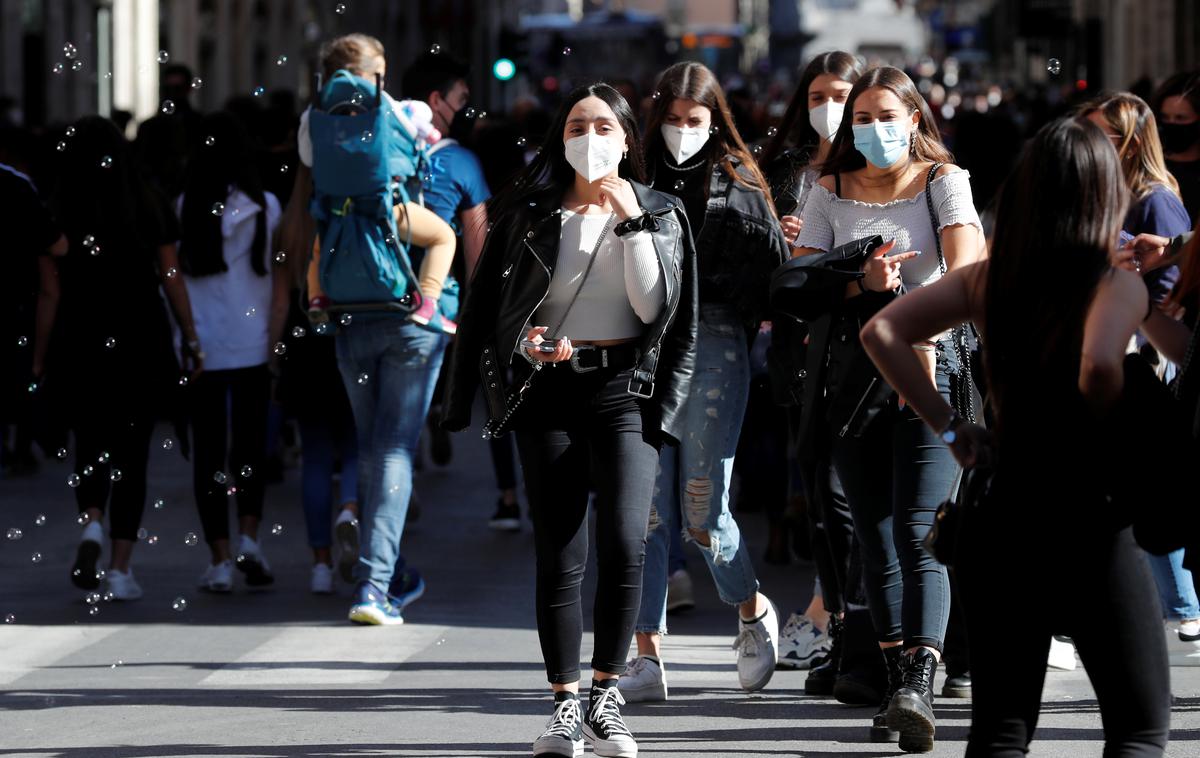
(280, 673)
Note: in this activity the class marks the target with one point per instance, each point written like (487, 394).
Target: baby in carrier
(350, 66)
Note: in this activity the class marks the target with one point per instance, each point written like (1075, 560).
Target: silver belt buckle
(585, 369)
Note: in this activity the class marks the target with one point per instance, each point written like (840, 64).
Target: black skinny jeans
(124, 435)
(570, 426)
(1088, 583)
(215, 397)
(895, 476)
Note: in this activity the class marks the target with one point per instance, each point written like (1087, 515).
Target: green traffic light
(504, 69)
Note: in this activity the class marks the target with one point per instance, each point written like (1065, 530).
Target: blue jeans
(389, 367)
(895, 476)
(1175, 587)
(319, 440)
(693, 481)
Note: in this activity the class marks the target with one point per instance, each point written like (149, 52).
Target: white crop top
(623, 293)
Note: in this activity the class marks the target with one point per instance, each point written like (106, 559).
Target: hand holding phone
(541, 347)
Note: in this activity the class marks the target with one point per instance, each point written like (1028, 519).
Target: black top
(688, 182)
(1188, 176)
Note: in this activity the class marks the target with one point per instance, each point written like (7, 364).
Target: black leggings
(572, 425)
(1095, 587)
(117, 480)
(216, 396)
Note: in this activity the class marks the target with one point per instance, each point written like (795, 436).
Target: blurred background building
(63, 58)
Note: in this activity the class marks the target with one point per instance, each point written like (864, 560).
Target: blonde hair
(360, 54)
(1139, 148)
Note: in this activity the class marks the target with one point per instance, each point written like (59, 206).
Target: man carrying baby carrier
(391, 322)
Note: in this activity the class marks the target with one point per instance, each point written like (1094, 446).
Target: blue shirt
(454, 183)
(1161, 212)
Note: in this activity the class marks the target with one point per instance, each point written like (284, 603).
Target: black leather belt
(587, 358)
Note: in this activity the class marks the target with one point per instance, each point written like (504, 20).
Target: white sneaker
(218, 577)
(322, 579)
(564, 733)
(345, 532)
(252, 563)
(122, 585)
(679, 592)
(1062, 654)
(644, 681)
(757, 647)
(801, 643)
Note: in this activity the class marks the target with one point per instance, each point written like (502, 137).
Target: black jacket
(511, 281)
(738, 246)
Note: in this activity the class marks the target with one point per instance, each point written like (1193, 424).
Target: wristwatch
(949, 434)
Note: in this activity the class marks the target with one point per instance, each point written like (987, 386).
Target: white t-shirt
(231, 309)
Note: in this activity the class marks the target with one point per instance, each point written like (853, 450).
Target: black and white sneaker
(507, 517)
(603, 726)
(564, 734)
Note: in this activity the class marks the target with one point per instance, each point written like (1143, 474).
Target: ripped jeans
(692, 494)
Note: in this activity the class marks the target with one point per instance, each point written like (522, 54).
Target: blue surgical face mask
(882, 142)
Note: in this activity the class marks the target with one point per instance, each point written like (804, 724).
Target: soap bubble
(101, 574)
(1054, 66)
(110, 343)
(220, 477)
(190, 539)
(280, 257)
(22, 341)
(87, 471)
(92, 598)
(678, 184)
(73, 480)
(163, 56)
(197, 82)
(69, 51)
(358, 98)
(167, 107)
(469, 113)
(61, 147)
(345, 319)
(246, 472)
(183, 381)
(143, 533)
(713, 129)
(76, 65)
(363, 378)
(435, 48)
(367, 136)
(168, 444)
(771, 132)
(566, 51)
(281, 60)
(757, 150)
(33, 386)
(218, 209)
(104, 457)
(210, 140)
(95, 250)
(298, 332)
(107, 75)
(279, 348)
(115, 475)
(61, 454)
(40, 520)
(521, 142)
(656, 96)
(10, 619)
(69, 131)
(89, 240)
(59, 67)
(340, 8)
(179, 604)
(106, 162)
(118, 664)
(277, 529)
(251, 312)
(109, 597)
(159, 504)
(259, 91)
(153, 540)
(172, 272)
(482, 114)
(284, 168)
(94, 610)
(15, 533)
(36, 557)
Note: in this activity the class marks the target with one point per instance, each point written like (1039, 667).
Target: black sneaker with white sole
(603, 726)
(564, 733)
(507, 517)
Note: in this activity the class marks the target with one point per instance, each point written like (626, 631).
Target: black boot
(911, 711)
(862, 676)
(820, 679)
(880, 731)
(958, 683)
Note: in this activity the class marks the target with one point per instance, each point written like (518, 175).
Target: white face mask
(826, 118)
(684, 143)
(592, 156)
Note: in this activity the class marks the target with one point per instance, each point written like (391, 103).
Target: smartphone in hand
(541, 347)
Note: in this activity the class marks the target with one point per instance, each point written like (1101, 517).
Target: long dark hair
(927, 140)
(795, 129)
(227, 162)
(1057, 220)
(693, 81)
(549, 169)
(99, 193)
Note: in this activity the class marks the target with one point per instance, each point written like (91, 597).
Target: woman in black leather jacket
(587, 286)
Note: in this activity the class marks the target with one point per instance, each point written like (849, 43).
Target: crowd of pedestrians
(940, 376)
